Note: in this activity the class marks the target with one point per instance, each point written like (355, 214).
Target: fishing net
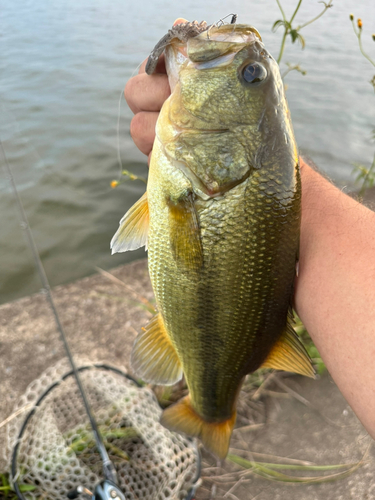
(56, 449)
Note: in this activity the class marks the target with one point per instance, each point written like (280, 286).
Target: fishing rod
(107, 489)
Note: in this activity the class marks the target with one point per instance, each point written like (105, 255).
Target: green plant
(84, 440)
(127, 176)
(310, 346)
(271, 472)
(294, 31)
(358, 32)
(7, 490)
(365, 175)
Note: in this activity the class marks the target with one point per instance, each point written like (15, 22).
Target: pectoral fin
(153, 356)
(185, 235)
(215, 436)
(289, 354)
(133, 230)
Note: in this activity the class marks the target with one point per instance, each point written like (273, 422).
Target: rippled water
(63, 66)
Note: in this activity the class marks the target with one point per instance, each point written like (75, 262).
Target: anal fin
(215, 436)
(290, 355)
(133, 230)
(153, 356)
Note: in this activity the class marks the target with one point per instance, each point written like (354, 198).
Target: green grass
(310, 346)
(271, 472)
(7, 491)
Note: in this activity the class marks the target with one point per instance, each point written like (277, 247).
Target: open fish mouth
(182, 32)
(226, 33)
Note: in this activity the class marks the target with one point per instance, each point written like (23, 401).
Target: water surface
(63, 66)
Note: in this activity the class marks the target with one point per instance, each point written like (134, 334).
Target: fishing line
(118, 125)
(118, 135)
(109, 470)
(221, 20)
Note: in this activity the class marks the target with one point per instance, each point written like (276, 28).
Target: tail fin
(215, 436)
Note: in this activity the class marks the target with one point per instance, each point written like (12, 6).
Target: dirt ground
(295, 417)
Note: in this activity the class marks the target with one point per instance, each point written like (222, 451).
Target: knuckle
(137, 126)
(130, 89)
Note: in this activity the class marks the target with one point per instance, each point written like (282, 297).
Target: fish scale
(237, 278)
(221, 218)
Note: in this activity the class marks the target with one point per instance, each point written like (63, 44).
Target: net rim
(103, 366)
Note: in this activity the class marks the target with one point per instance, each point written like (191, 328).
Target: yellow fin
(290, 355)
(215, 436)
(185, 235)
(133, 230)
(153, 356)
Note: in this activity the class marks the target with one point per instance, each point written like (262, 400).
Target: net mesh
(57, 451)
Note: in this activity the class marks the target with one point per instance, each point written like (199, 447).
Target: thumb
(179, 20)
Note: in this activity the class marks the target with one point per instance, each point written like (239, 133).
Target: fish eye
(254, 73)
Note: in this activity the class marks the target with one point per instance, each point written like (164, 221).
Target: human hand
(145, 95)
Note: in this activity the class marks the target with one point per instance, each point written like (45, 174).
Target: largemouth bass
(221, 218)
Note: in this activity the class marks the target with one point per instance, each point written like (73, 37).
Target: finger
(147, 92)
(142, 67)
(142, 130)
(179, 20)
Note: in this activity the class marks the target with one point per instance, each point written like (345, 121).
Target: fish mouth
(218, 46)
(216, 62)
(201, 35)
(238, 33)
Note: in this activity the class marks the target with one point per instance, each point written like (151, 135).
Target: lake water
(63, 66)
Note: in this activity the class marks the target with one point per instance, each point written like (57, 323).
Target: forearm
(335, 289)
